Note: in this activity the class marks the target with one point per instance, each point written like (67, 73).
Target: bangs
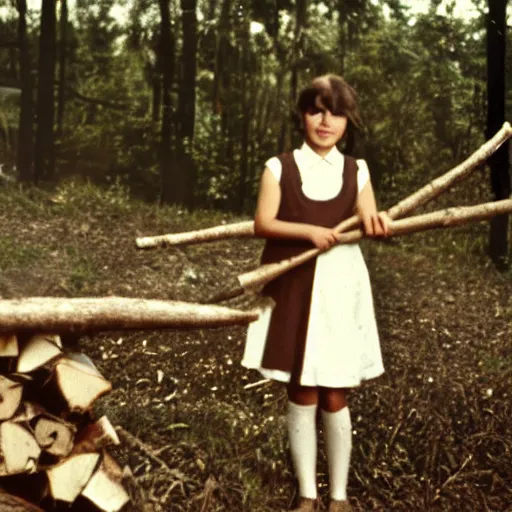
(332, 93)
(313, 98)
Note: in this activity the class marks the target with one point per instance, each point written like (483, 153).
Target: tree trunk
(187, 94)
(171, 190)
(156, 90)
(342, 34)
(300, 24)
(62, 64)
(247, 111)
(187, 98)
(26, 130)
(45, 93)
(499, 162)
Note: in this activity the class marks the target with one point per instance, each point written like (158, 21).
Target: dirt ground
(433, 433)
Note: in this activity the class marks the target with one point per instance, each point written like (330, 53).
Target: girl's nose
(326, 117)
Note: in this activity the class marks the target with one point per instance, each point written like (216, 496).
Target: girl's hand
(377, 224)
(322, 238)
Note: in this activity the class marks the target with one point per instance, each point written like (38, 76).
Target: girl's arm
(375, 224)
(268, 226)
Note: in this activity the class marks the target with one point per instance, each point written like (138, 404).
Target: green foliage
(421, 82)
(13, 253)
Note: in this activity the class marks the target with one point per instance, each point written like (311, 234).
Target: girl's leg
(301, 418)
(338, 439)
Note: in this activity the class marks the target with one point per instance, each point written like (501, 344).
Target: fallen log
(48, 314)
(8, 346)
(441, 219)
(105, 489)
(95, 436)
(11, 503)
(418, 198)
(37, 351)
(10, 397)
(79, 384)
(54, 435)
(19, 449)
(69, 478)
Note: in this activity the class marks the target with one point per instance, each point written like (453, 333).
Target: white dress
(342, 343)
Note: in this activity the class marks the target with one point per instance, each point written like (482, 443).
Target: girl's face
(322, 129)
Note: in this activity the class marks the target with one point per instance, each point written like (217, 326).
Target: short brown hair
(334, 94)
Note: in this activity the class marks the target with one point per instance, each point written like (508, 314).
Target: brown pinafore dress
(286, 338)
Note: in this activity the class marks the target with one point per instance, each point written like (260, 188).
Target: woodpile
(51, 448)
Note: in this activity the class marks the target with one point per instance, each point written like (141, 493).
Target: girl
(321, 337)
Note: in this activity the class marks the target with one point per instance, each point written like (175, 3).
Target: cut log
(12, 503)
(10, 397)
(79, 384)
(8, 345)
(105, 489)
(37, 351)
(234, 230)
(68, 478)
(95, 436)
(113, 313)
(27, 412)
(20, 450)
(54, 435)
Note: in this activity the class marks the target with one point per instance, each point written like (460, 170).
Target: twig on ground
(257, 384)
(135, 442)
(452, 478)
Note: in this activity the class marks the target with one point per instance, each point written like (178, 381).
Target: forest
(126, 118)
(183, 101)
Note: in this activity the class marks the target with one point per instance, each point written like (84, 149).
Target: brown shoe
(339, 506)
(306, 505)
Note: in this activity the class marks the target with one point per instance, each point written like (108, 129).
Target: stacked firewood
(47, 428)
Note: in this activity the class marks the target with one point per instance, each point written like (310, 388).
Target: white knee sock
(338, 444)
(303, 446)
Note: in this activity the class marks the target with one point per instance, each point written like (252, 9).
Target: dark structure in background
(499, 162)
(44, 157)
(26, 128)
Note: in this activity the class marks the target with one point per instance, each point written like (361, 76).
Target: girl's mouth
(323, 133)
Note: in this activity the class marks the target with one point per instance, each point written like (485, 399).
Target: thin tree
(45, 93)
(62, 64)
(247, 111)
(26, 130)
(499, 162)
(170, 191)
(187, 98)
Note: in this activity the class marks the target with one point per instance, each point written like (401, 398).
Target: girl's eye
(315, 110)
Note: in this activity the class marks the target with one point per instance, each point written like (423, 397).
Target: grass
(432, 434)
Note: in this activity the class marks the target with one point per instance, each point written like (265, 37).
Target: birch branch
(266, 273)
(420, 197)
(450, 217)
(48, 314)
(441, 219)
(434, 188)
(234, 230)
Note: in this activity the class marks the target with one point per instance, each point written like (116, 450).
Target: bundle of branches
(349, 229)
(51, 448)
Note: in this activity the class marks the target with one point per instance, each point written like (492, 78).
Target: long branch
(237, 229)
(418, 198)
(49, 314)
(441, 219)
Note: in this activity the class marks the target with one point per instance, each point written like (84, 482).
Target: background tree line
(185, 99)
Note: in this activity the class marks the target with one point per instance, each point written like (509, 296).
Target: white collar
(310, 158)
